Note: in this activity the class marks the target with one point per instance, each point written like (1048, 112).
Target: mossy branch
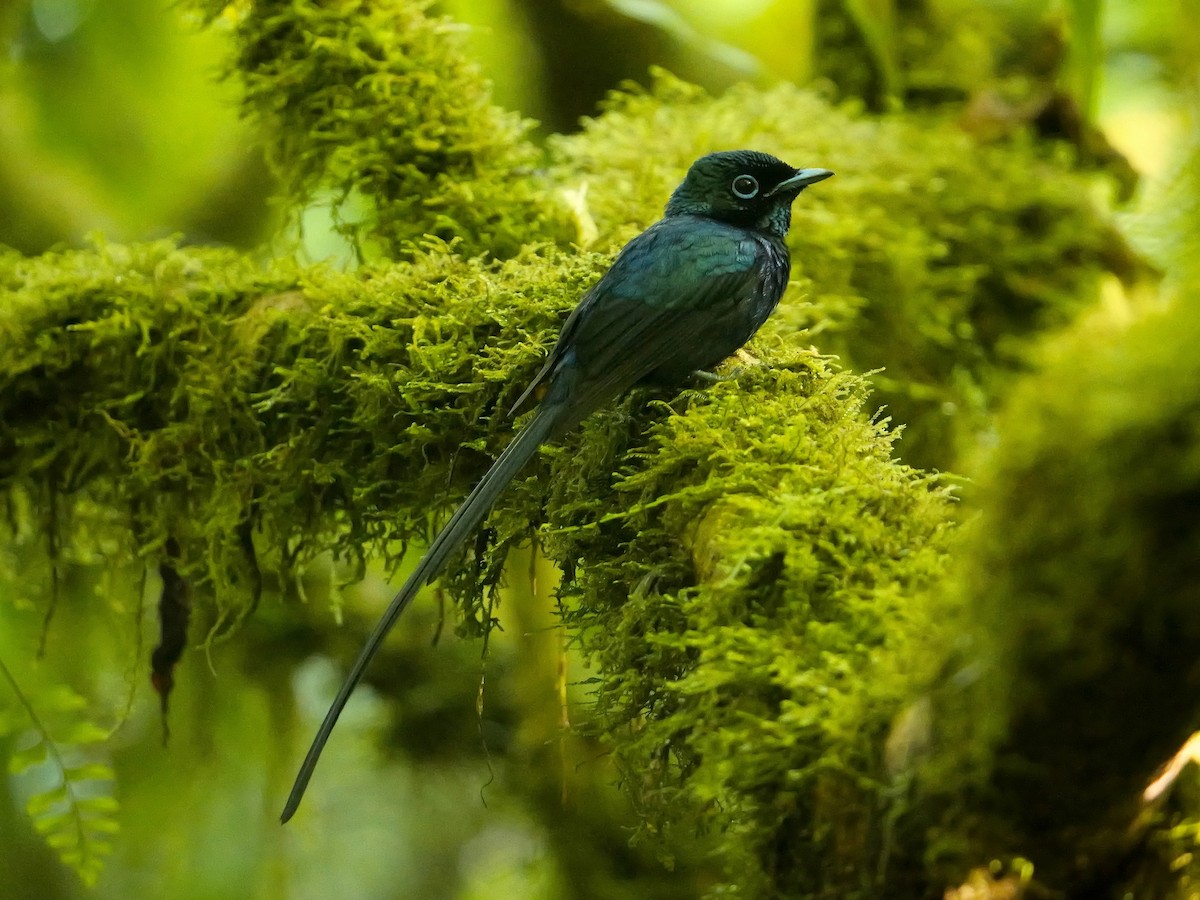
(747, 564)
(745, 552)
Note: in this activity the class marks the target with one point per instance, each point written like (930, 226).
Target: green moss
(1079, 591)
(378, 104)
(194, 396)
(749, 582)
(756, 558)
(204, 396)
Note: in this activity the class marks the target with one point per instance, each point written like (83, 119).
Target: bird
(679, 298)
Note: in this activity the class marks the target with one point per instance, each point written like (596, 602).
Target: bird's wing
(666, 287)
(659, 307)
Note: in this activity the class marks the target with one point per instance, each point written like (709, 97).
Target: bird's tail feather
(464, 521)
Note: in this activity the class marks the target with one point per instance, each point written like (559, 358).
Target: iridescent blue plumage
(680, 297)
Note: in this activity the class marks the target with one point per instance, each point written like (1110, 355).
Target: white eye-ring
(745, 187)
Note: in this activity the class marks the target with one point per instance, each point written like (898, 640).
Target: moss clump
(378, 104)
(201, 397)
(1080, 591)
(928, 255)
(755, 562)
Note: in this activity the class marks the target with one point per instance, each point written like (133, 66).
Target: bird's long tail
(464, 521)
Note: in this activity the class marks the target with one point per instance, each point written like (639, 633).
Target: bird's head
(743, 187)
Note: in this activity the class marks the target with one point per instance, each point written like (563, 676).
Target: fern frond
(71, 798)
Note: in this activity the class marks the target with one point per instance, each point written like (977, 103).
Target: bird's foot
(745, 358)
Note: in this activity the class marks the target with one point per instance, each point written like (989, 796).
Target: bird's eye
(745, 187)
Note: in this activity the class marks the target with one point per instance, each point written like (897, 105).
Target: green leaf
(103, 826)
(59, 838)
(40, 805)
(27, 758)
(103, 803)
(84, 732)
(91, 772)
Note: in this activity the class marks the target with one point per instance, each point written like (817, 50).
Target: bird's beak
(798, 182)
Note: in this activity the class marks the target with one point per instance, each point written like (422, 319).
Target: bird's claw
(742, 356)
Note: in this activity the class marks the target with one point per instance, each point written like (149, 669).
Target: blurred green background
(113, 119)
